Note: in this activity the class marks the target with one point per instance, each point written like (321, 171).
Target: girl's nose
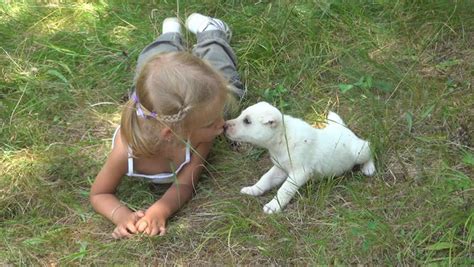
(220, 123)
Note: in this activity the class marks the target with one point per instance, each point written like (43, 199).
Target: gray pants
(211, 46)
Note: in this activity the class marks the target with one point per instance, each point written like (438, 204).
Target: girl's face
(210, 127)
(208, 131)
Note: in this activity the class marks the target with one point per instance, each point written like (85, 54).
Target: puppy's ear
(270, 121)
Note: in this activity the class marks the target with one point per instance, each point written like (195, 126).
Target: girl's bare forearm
(182, 190)
(109, 206)
(174, 198)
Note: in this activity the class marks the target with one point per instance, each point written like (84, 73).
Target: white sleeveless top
(160, 178)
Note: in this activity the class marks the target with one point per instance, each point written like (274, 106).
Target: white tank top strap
(187, 157)
(130, 163)
(115, 135)
(130, 158)
(166, 177)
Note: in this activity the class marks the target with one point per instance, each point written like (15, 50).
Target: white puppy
(298, 151)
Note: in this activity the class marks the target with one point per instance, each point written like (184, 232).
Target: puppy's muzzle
(227, 126)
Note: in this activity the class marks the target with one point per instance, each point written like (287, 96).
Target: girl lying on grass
(169, 123)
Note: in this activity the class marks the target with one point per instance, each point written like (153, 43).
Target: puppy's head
(257, 124)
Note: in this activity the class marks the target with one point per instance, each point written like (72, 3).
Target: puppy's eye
(246, 121)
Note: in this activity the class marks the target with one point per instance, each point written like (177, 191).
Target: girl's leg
(169, 41)
(213, 37)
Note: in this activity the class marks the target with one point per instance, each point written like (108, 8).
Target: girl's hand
(127, 227)
(153, 223)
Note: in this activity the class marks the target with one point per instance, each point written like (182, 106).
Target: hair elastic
(140, 111)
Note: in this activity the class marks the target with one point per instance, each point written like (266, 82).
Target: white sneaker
(197, 23)
(171, 25)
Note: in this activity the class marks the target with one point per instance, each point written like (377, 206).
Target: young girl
(167, 127)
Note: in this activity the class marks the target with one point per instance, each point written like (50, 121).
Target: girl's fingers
(140, 213)
(120, 232)
(142, 225)
(154, 231)
(150, 229)
(115, 235)
(131, 227)
(158, 229)
(162, 230)
(124, 233)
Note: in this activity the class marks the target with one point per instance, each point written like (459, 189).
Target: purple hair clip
(140, 111)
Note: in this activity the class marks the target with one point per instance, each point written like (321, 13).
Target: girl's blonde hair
(176, 90)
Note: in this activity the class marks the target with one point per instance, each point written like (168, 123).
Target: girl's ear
(166, 134)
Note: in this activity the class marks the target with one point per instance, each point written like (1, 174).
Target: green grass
(398, 72)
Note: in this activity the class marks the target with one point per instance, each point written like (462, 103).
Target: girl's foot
(197, 23)
(171, 25)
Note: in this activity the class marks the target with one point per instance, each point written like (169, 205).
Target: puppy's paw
(368, 168)
(272, 207)
(251, 190)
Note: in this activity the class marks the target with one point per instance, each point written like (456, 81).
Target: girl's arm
(177, 194)
(102, 194)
